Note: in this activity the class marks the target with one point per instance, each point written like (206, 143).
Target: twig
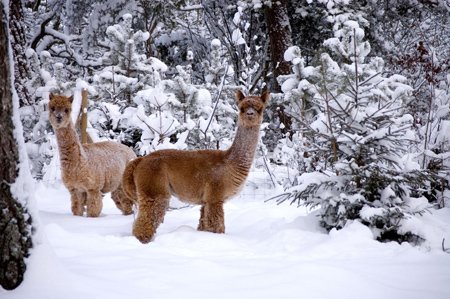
(266, 166)
(217, 99)
(179, 208)
(148, 126)
(356, 67)
(446, 250)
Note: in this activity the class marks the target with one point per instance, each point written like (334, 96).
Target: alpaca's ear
(239, 96)
(51, 96)
(265, 96)
(70, 99)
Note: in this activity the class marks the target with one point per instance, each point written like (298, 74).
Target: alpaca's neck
(242, 151)
(70, 150)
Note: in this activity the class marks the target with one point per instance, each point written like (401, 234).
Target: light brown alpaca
(88, 170)
(204, 177)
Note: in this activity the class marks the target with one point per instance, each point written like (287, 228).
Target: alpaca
(88, 170)
(204, 177)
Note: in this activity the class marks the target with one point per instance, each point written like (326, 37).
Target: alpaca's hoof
(201, 227)
(126, 209)
(125, 206)
(93, 214)
(143, 237)
(127, 212)
(144, 240)
(77, 212)
(217, 229)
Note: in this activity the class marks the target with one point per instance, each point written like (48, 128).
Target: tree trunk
(19, 44)
(15, 223)
(280, 37)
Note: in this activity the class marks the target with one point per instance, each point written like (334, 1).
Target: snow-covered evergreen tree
(127, 70)
(194, 102)
(215, 127)
(48, 76)
(434, 148)
(155, 118)
(215, 66)
(357, 133)
(240, 28)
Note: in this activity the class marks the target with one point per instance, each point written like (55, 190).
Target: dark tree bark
(19, 44)
(15, 223)
(280, 37)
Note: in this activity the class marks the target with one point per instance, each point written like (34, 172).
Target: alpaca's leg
(94, 203)
(150, 216)
(122, 201)
(202, 223)
(212, 218)
(77, 204)
(83, 199)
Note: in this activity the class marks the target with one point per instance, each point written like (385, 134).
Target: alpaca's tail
(128, 179)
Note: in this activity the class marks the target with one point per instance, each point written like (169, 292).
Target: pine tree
(434, 147)
(126, 69)
(217, 121)
(193, 103)
(156, 119)
(48, 76)
(358, 135)
(240, 27)
(215, 66)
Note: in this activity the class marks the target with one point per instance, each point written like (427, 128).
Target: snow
(204, 99)
(368, 212)
(268, 251)
(443, 135)
(292, 53)
(289, 84)
(331, 3)
(237, 16)
(157, 64)
(257, 4)
(237, 37)
(215, 43)
(155, 97)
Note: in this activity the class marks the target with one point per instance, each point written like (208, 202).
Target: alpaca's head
(59, 109)
(251, 108)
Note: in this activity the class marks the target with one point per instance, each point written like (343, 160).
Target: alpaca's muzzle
(251, 111)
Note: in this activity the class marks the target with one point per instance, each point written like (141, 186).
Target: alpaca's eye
(53, 109)
(242, 109)
(66, 110)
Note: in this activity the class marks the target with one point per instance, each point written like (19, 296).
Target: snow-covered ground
(268, 251)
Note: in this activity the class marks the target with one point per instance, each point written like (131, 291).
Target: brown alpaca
(204, 177)
(88, 170)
